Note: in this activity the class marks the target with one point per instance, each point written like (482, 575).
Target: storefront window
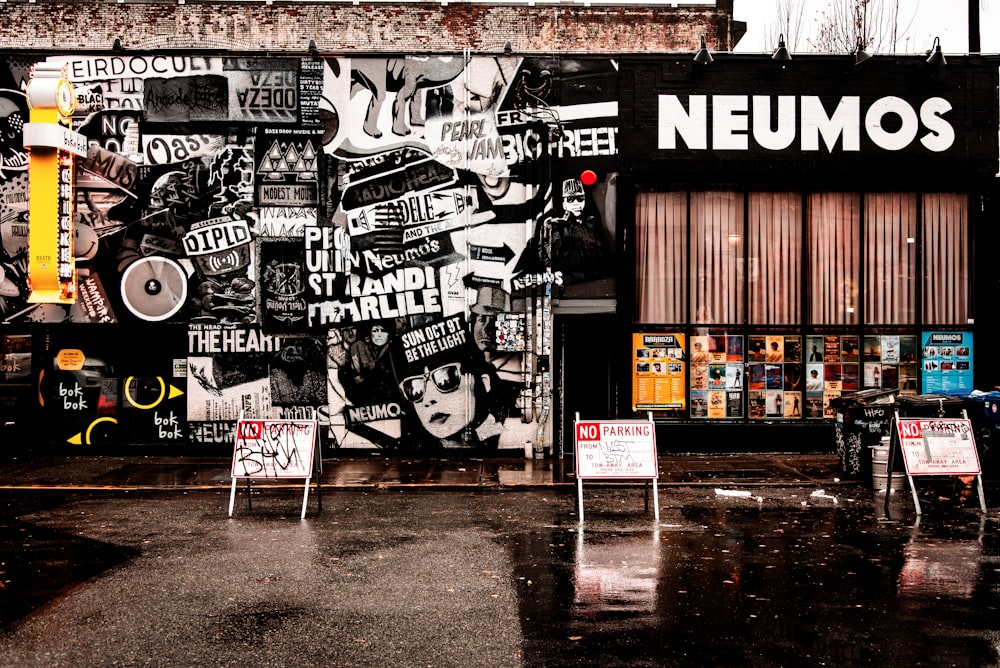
(716, 257)
(833, 221)
(890, 258)
(796, 262)
(717, 375)
(661, 257)
(775, 238)
(775, 380)
(945, 259)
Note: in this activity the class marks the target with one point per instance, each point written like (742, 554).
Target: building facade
(455, 239)
(803, 230)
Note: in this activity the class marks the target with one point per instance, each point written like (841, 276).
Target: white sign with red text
(618, 449)
(938, 446)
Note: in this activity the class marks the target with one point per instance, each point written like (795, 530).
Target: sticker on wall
(154, 288)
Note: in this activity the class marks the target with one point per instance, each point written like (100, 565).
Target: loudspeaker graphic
(154, 288)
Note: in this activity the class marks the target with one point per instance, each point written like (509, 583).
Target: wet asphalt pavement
(792, 575)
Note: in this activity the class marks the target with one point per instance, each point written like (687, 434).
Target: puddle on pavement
(758, 588)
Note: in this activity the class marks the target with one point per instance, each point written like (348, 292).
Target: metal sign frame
(276, 449)
(616, 450)
(934, 446)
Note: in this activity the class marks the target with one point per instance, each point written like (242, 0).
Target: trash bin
(863, 418)
(983, 409)
(882, 478)
(930, 406)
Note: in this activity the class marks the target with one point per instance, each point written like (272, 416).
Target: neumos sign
(750, 116)
(777, 123)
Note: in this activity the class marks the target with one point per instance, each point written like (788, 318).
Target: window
(833, 221)
(775, 258)
(890, 258)
(946, 286)
(699, 255)
(717, 257)
(661, 257)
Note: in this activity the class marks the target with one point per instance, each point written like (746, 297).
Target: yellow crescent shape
(128, 395)
(94, 423)
(41, 377)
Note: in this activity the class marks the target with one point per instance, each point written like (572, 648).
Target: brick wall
(340, 27)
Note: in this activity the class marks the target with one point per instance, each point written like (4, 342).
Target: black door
(584, 383)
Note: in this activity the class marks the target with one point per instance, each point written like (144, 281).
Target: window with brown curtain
(661, 257)
(946, 286)
(717, 257)
(833, 223)
(699, 258)
(775, 258)
(890, 258)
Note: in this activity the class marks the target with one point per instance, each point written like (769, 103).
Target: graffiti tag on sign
(274, 449)
(939, 447)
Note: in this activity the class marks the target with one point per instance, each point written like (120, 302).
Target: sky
(947, 19)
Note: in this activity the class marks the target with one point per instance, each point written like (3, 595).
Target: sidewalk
(105, 472)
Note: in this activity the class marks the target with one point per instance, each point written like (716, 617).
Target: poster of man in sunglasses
(578, 243)
(448, 386)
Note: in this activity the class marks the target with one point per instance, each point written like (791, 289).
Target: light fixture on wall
(860, 55)
(936, 57)
(313, 51)
(508, 48)
(703, 57)
(781, 53)
(116, 45)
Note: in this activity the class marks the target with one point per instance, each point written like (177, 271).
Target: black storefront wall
(813, 124)
(696, 124)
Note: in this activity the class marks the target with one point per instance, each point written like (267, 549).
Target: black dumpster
(983, 409)
(930, 406)
(863, 418)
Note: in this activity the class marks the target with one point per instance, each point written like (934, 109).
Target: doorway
(584, 355)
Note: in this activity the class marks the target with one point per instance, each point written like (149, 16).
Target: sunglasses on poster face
(446, 378)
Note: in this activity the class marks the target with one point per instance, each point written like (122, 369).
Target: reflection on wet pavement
(792, 579)
(612, 578)
(744, 586)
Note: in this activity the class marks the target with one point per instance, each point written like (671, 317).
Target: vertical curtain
(833, 228)
(890, 258)
(775, 257)
(661, 258)
(716, 257)
(946, 286)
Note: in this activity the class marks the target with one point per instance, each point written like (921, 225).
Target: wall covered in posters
(326, 237)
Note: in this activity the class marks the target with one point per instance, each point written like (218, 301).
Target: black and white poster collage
(368, 240)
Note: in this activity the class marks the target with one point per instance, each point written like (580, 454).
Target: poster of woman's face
(445, 381)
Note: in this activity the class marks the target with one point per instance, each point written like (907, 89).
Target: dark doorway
(585, 346)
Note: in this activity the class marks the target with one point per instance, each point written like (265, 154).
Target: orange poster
(659, 372)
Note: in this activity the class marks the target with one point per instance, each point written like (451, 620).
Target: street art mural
(372, 242)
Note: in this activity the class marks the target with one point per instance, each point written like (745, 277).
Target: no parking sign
(618, 449)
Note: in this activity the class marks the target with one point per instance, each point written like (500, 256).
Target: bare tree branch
(871, 24)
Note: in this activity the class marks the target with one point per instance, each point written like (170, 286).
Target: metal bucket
(880, 464)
